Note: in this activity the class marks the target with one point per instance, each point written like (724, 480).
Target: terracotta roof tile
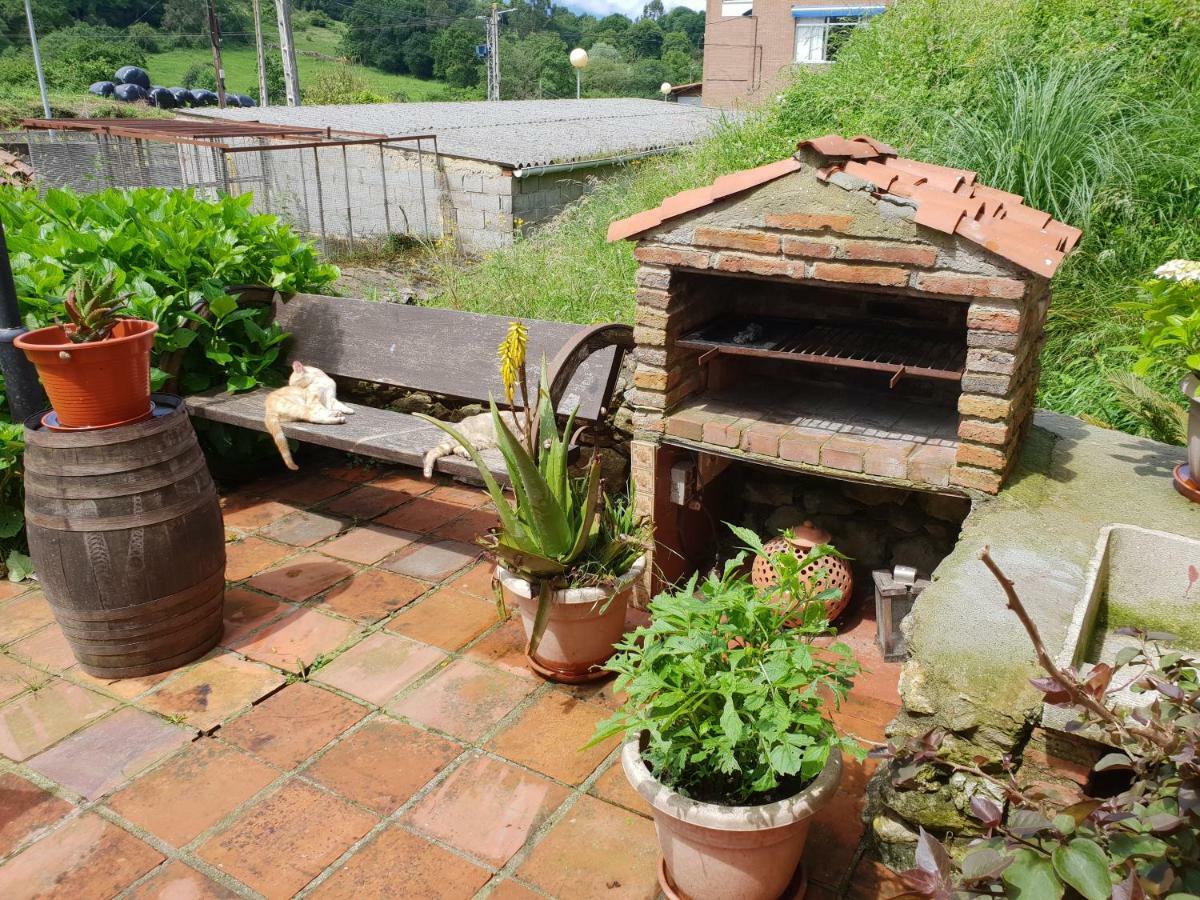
(948, 200)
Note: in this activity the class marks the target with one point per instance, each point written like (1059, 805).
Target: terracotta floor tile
(246, 611)
(16, 677)
(371, 595)
(421, 514)
(512, 890)
(303, 529)
(355, 472)
(31, 723)
(86, 858)
(505, 647)
(487, 808)
(192, 791)
(302, 490)
(873, 881)
(24, 615)
(97, 759)
(251, 555)
(25, 809)
(833, 839)
(405, 479)
(432, 561)
(463, 496)
(368, 544)
(301, 577)
(596, 851)
(464, 700)
(219, 687)
(47, 648)
(289, 727)
(383, 763)
(125, 688)
(10, 589)
(379, 667)
(446, 619)
(397, 862)
(476, 580)
(614, 787)
(245, 513)
(601, 693)
(366, 502)
(549, 735)
(295, 640)
(282, 842)
(176, 881)
(468, 527)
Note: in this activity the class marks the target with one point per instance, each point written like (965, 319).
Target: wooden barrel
(126, 536)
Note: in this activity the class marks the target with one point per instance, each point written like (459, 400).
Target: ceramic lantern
(828, 573)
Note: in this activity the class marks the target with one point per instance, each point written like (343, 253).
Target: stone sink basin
(1136, 577)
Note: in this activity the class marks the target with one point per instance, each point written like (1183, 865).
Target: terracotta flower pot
(714, 852)
(99, 384)
(584, 624)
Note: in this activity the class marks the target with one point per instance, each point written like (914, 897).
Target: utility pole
(214, 38)
(25, 394)
(37, 60)
(263, 99)
(493, 56)
(287, 48)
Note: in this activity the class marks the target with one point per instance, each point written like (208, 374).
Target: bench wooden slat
(384, 434)
(442, 351)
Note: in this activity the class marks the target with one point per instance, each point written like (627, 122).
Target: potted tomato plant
(727, 734)
(95, 367)
(566, 559)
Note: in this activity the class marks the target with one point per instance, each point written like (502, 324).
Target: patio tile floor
(370, 728)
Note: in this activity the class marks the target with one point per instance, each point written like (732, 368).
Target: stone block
(846, 273)
(993, 340)
(763, 438)
(984, 407)
(996, 385)
(738, 239)
(651, 317)
(999, 362)
(976, 479)
(970, 285)
(844, 452)
(1004, 317)
(888, 459)
(467, 217)
(688, 424)
(649, 337)
(981, 432)
(810, 221)
(803, 445)
(881, 251)
(669, 256)
(651, 379)
(981, 457)
(722, 433)
(644, 399)
(652, 297)
(654, 278)
(470, 183)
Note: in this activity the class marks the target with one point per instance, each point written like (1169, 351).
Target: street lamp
(579, 59)
(665, 89)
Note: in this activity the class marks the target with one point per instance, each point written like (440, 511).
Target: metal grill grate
(922, 354)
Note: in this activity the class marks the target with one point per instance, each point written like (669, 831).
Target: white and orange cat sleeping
(310, 396)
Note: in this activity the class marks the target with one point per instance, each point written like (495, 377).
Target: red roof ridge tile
(947, 199)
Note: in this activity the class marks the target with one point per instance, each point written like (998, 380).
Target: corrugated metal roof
(514, 133)
(947, 200)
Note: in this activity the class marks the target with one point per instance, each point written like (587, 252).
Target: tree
(653, 10)
(686, 20)
(535, 67)
(454, 59)
(678, 42)
(643, 40)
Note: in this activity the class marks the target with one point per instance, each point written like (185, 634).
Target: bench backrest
(441, 351)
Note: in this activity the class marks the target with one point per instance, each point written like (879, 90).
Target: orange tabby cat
(310, 396)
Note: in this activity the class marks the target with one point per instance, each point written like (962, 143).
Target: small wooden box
(895, 593)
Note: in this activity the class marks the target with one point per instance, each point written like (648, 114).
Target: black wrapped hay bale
(162, 98)
(130, 93)
(101, 88)
(183, 97)
(201, 97)
(132, 75)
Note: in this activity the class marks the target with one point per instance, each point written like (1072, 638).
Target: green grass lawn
(241, 76)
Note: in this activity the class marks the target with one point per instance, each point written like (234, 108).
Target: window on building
(821, 31)
(736, 8)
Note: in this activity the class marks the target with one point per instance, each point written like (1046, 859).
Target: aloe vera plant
(551, 533)
(93, 309)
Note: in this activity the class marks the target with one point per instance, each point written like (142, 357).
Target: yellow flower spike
(511, 354)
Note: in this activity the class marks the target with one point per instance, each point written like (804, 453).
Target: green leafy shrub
(174, 254)
(1170, 310)
(728, 688)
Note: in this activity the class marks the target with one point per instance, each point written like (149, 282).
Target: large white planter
(715, 852)
(584, 623)
(1189, 386)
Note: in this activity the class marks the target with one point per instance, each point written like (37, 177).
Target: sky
(631, 8)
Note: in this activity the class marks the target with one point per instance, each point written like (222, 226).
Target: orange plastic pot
(94, 385)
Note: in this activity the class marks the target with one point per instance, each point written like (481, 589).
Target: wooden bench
(439, 351)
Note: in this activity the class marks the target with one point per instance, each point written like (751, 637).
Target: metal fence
(351, 192)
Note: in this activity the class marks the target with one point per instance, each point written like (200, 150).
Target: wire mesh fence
(350, 193)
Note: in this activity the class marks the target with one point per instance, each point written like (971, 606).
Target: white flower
(1179, 270)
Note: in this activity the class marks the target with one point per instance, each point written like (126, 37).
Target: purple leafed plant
(1143, 842)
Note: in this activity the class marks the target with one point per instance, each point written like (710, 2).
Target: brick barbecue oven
(845, 312)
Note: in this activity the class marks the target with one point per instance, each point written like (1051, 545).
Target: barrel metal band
(117, 523)
(89, 490)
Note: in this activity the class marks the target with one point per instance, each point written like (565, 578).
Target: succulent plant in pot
(727, 734)
(567, 558)
(1170, 336)
(95, 367)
